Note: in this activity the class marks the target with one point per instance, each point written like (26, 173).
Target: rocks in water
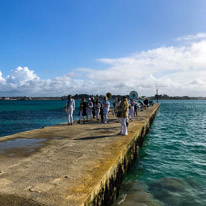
(136, 194)
(165, 191)
(175, 191)
(168, 184)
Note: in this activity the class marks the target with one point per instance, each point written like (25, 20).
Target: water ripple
(172, 160)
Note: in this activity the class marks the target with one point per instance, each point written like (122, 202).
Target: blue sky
(73, 41)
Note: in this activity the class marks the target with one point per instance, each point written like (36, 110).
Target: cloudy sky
(57, 47)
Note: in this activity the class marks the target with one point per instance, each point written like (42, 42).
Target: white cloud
(192, 37)
(22, 75)
(2, 80)
(176, 70)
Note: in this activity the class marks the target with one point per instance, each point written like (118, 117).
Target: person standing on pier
(97, 107)
(93, 109)
(89, 108)
(135, 107)
(70, 106)
(82, 110)
(131, 110)
(123, 108)
(118, 112)
(105, 106)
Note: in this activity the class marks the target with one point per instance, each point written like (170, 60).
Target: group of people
(124, 110)
(94, 109)
(91, 109)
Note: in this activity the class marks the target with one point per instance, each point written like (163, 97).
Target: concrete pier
(69, 165)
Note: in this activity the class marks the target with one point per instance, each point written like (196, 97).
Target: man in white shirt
(70, 109)
(106, 106)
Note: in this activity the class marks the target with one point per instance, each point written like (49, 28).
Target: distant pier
(64, 165)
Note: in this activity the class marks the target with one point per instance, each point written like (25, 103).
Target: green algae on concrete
(75, 165)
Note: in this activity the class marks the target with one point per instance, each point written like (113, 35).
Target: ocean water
(19, 116)
(171, 167)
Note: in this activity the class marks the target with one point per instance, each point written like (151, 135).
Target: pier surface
(64, 165)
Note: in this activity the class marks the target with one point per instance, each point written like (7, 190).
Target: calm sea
(18, 116)
(171, 168)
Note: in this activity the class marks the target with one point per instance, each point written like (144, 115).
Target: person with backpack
(123, 110)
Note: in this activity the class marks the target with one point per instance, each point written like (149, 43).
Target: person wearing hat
(89, 108)
(105, 107)
(70, 106)
(123, 109)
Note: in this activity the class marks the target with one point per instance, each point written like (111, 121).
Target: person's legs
(122, 122)
(105, 115)
(97, 114)
(124, 126)
(91, 115)
(132, 114)
(71, 116)
(102, 117)
(69, 119)
(80, 115)
(87, 114)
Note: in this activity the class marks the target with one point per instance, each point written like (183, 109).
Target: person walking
(105, 106)
(123, 109)
(70, 106)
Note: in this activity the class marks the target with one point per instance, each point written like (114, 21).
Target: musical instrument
(108, 95)
(133, 95)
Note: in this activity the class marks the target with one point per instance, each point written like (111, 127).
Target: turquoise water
(18, 116)
(171, 168)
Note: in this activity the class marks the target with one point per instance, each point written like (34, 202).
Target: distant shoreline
(160, 97)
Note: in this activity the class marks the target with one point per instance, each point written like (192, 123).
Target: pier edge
(107, 189)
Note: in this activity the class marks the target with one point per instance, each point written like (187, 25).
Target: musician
(106, 107)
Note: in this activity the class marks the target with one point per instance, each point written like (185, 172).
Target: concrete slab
(82, 164)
